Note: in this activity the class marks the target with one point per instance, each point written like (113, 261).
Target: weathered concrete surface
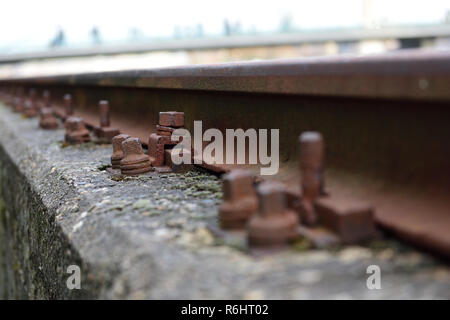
(147, 237)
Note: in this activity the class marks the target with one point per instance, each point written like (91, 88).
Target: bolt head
(132, 152)
(118, 146)
(104, 113)
(275, 225)
(135, 161)
(132, 146)
(240, 200)
(171, 119)
(76, 131)
(238, 184)
(47, 119)
(311, 149)
(272, 198)
(74, 124)
(78, 125)
(68, 104)
(46, 112)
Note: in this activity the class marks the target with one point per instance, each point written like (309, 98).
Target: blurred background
(105, 35)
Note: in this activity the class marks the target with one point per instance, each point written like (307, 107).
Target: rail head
(411, 74)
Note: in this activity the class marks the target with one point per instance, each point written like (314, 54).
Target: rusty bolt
(177, 168)
(20, 92)
(18, 100)
(7, 96)
(18, 104)
(275, 225)
(103, 132)
(156, 146)
(68, 107)
(11, 93)
(46, 99)
(12, 97)
(134, 161)
(240, 199)
(117, 155)
(30, 109)
(311, 170)
(76, 131)
(47, 119)
(171, 119)
(3, 95)
(104, 113)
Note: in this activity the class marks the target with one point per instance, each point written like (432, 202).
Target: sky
(32, 24)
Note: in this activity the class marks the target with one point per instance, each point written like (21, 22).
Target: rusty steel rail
(385, 121)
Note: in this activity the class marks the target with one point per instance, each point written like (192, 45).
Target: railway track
(384, 119)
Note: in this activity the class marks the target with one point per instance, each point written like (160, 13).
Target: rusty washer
(117, 155)
(76, 131)
(311, 169)
(134, 161)
(275, 225)
(240, 199)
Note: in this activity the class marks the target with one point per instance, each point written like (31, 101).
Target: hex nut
(47, 119)
(18, 105)
(156, 147)
(177, 168)
(171, 119)
(76, 131)
(275, 225)
(117, 155)
(240, 201)
(134, 160)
